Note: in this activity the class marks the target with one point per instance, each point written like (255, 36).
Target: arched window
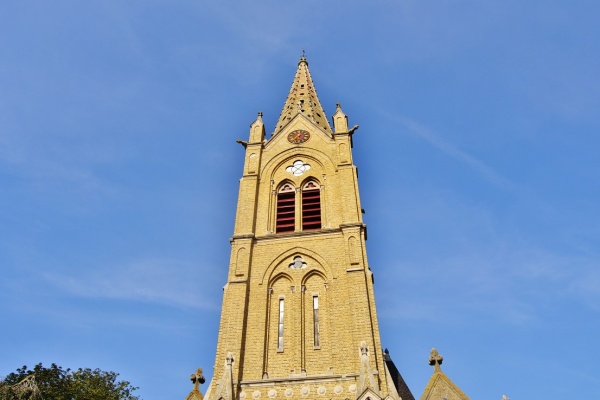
(311, 206)
(286, 209)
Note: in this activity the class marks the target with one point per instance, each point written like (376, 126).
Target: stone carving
(435, 359)
(197, 379)
(366, 379)
(225, 385)
(298, 168)
(298, 263)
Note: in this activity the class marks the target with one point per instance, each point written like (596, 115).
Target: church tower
(298, 319)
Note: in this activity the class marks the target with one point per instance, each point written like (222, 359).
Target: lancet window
(311, 206)
(280, 327)
(286, 209)
(316, 330)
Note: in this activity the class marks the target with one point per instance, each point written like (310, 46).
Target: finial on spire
(303, 58)
(435, 359)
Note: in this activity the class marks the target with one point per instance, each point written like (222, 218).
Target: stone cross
(435, 359)
(197, 379)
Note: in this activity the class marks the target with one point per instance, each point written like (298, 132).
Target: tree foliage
(56, 383)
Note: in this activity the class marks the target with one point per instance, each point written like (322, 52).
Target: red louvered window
(286, 209)
(311, 206)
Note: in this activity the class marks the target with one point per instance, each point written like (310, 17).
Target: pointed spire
(340, 120)
(303, 99)
(257, 129)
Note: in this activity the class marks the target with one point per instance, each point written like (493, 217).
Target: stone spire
(303, 99)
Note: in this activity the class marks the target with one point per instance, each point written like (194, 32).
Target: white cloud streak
(438, 142)
(162, 281)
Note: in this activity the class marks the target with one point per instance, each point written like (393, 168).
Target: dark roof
(401, 386)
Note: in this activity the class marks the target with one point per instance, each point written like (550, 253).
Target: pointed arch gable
(279, 276)
(320, 161)
(313, 273)
(281, 186)
(298, 121)
(306, 183)
(271, 270)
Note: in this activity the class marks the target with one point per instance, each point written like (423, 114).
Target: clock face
(298, 136)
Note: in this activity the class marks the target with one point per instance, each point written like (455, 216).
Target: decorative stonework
(435, 359)
(310, 351)
(298, 263)
(302, 99)
(225, 384)
(440, 386)
(298, 168)
(197, 379)
(366, 379)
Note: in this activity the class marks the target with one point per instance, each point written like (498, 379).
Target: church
(298, 319)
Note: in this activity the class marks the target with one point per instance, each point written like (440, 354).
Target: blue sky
(478, 160)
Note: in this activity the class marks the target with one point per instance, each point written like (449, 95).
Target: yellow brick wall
(336, 271)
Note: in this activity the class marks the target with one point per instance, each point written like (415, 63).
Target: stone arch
(280, 261)
(315, 329)
(252, 163)
(280, 321)
(241, 261)
(308, 179)
(284, 182)
(353, 250)
(284, 209)
(319, 159)
(279, 276)
(311, 204)
(312, 273)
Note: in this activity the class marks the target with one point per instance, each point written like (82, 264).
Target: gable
(440, 387)
(299, 122)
